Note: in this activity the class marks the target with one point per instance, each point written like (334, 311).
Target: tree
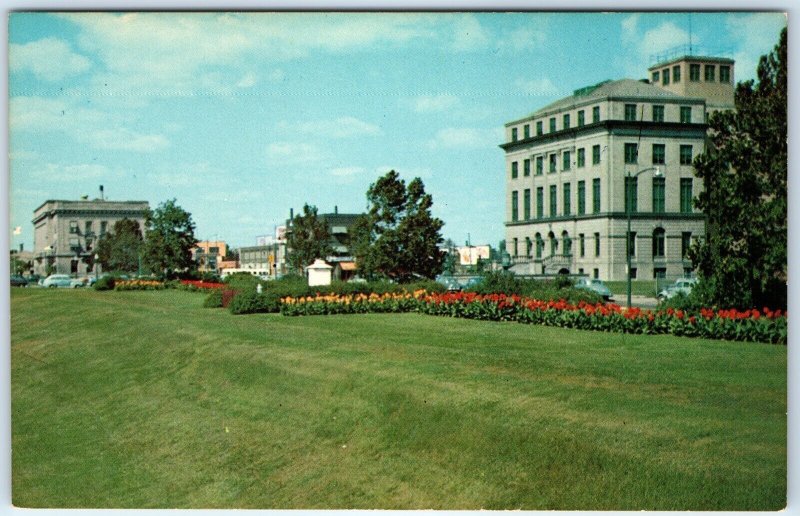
(169, 240)
(120, 249)
(308, 239)
(742, 261)
(398, 238)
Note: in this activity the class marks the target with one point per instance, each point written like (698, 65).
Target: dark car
(18, 281)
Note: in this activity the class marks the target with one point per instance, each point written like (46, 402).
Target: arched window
(539, 245)
(658, 243)
(528, 246)
(553, 243)
(566, 247)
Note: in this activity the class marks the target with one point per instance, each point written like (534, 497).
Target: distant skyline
(242, 116)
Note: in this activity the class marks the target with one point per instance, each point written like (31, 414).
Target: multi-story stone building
(66, 232)
(566, 168)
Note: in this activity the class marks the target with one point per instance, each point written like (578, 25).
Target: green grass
(145, 399)
(638, 288)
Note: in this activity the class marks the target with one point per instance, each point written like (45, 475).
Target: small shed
(319, 273)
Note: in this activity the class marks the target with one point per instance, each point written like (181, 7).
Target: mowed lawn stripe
(145, 399)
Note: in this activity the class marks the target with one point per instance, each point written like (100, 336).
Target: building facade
(340, 227)
(209, 255)
(567, 194)
(65, 233)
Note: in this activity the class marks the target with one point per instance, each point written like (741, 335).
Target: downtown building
(566, 165)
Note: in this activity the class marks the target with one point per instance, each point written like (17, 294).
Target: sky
(242, 116)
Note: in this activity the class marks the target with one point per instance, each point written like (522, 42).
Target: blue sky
(243, 116)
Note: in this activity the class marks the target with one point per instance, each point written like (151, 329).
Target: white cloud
(187, 175)
(464, 137)
(342, 127)
(630, 28)
(468, 34)
(540, 87)
(276, 75)
(248, 80)
(59, 173)
(757, 34)
(663, 37)
(347, 171)
(522, 39)
(125, 139)
(289, 153)
(49, 59)
(434, 103)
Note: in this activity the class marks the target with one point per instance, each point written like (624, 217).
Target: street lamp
(96, 264)
(628, 204)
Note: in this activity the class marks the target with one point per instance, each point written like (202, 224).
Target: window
(686, 243)
(659, 152)
(686, 115)
(539, 245)
(581, 118)
(528, 247)
(87, 227)
(634, 272)
(553, 244)
(516, 247)
(567, 161)
(526, 168)
(596, 195)
(665, 76)
(659, 272)
(656, 77)
(567, 199)
(540, 202)
(686, 195)
(526, 131)
(596, 247)
(552, 163)
(213, 250)
(526, 207)
(553, 201)
(658, 113)
(694, 72)
(553, 124)
(581, 197)
(73, 227)
(658, 243)
(595, 114)
(581, 158)
(514, 169)
(686, 154)
(539, 165)
(631, 194)
(539, 130)
(709, 73)
(631, 153)
(632, 243)
(582, 245)
(658, 194)
(514, 206)
(676, 73)
(596, 273)
(595, 155)
(566, 121)
(566, 244)
(724, 73)
(630, 112)
(514, 134)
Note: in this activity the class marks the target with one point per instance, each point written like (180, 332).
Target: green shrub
(429, 286)
(104, 283)
(213, 299)
(243, 281)
(252, 302)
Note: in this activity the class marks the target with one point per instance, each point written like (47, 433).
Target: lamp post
(96, 264)
(628, 203)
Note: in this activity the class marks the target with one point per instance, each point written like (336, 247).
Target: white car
(682, 286)
(61, 280)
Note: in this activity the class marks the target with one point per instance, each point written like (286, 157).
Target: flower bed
(750, 325)
(198, 284)
(325, 304)
(138, 284)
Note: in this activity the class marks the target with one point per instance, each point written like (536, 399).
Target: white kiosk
(319, 273)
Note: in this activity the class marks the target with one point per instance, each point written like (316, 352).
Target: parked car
(18, 281)
(63, 281)
(682, 286)
(595, 285)
(450, 283)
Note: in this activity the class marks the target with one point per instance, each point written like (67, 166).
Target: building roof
(621, 88)
(87, 204)
(340, 219)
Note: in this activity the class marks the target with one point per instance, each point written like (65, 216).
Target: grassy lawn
(145, 399)
(638, 288)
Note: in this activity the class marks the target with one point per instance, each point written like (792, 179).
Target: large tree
(308, 239)
(169, 240)
(398, 238)
(119, 250)
(743, 261)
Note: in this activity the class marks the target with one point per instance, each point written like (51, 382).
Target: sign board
(280, 233)
(469, 255)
